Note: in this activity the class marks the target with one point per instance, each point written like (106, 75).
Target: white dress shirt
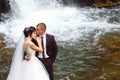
(44, 41)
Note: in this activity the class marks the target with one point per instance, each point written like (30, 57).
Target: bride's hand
(37, 39)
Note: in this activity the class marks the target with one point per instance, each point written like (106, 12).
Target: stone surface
(106, 3)
(4, 6)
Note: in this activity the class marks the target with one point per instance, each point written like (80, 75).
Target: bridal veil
(17, 59)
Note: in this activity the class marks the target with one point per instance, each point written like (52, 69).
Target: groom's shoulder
(50, 35)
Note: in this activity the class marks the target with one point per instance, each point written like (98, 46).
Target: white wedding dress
(28, 70)
(34, 68)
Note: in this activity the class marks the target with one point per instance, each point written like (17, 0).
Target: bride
(32, 69)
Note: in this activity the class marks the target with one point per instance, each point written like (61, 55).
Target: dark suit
(51, 50)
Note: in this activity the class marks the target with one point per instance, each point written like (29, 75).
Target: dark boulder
(84, 2)
(4, 6)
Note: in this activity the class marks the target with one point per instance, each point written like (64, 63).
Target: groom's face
(39, 31)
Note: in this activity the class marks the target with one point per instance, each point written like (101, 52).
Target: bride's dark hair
(29, 31)
(26, 32)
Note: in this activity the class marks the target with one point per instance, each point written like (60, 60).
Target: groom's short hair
(42, 25)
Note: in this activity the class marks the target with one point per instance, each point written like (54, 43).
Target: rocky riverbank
(5, 58)
(110, 62)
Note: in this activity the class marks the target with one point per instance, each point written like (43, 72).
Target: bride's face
(34, 35)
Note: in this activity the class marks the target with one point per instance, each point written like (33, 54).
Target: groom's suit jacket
(51, 47)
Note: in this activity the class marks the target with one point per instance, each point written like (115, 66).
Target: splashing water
(64, 22)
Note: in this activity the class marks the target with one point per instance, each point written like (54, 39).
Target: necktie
(42, 43)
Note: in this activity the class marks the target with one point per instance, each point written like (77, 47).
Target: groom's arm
(26, 57)
(54, 49)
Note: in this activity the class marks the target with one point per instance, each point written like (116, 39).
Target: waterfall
(64, 22)
(80, 60)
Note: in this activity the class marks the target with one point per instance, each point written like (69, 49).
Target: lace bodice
(29, 50)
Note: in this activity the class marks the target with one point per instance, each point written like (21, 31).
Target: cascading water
(69, 25)
(64, 22)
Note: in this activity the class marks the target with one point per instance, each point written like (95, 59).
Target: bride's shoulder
(30, 43)
(26, 43)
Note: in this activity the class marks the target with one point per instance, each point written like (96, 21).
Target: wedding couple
(34, 55)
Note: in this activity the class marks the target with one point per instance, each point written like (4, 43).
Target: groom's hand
(27, 57)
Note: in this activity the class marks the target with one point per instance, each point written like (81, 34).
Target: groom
(50, 48)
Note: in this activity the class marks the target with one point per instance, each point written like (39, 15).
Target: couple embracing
(34, 55)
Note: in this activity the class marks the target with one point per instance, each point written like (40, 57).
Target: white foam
(64, 22)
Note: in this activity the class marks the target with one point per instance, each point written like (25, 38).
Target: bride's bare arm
(37, 48)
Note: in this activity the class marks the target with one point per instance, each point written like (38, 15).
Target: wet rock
(106, 3)
(77, 2)
(109, 67)
(95, 3)
(84, 2)
(4, 6)
(5, 58)
(2, 44)
(110, 41)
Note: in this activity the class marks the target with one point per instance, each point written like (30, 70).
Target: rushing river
(77, 31)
